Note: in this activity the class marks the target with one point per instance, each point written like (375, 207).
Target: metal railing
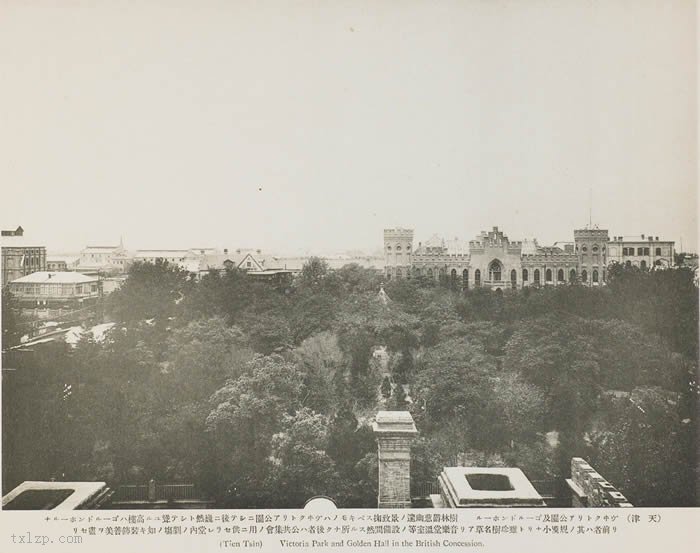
(130, 493)
(176, 491)
(158, 492)
(424, 489)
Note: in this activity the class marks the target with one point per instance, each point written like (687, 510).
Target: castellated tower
(591, 250)
(398, 249)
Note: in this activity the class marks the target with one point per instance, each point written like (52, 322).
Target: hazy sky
(313, 125)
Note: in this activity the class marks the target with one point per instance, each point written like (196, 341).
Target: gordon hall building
(491, 260)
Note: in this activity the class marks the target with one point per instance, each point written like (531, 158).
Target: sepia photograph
(349, 255)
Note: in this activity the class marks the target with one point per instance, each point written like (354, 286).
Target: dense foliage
(262, 395)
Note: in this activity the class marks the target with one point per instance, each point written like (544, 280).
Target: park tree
(245, 414)
(151, 291)
(647, 450)
(664, 302)
(355, 279)
(314, 274)
(268, 333)
(522, 408)
(320, 361)
(300, 467)
(314, 312)
(201, 356)
(456, 385)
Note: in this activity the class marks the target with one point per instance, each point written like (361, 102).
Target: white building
(45, 288)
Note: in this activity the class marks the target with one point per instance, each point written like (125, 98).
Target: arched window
(595, 275)
(643, 264)
(430, 273)
(465, 278)
(537, 276)
(477, 278)
(399, 273)
(658, 251)
(548, 275)
(416, 271)
(560, 275)
(525, 275)
(495, 270)
(572, 275)
(453, 277)
(584, 276)
(513, 278)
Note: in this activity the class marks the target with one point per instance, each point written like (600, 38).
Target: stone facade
(394, 431)
(493, 261)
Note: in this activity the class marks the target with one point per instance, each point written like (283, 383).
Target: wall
(590, 489)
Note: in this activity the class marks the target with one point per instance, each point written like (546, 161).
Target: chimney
(225, 251)
(642, 237)
(394, 431)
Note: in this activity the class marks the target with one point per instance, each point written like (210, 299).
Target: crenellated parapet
(590, 489)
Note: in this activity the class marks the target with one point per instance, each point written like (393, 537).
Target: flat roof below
(33, 495)
(488, 487)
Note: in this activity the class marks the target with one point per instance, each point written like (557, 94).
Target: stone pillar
(394, 431)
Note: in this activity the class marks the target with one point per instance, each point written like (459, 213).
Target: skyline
(313, 128)
(28, 239)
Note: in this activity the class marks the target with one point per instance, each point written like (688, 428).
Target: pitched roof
(64, 277)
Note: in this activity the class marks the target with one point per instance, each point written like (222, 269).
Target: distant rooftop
(19, 231)
(99, 249)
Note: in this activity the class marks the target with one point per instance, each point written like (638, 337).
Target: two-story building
(641, 251)
(55, 289)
